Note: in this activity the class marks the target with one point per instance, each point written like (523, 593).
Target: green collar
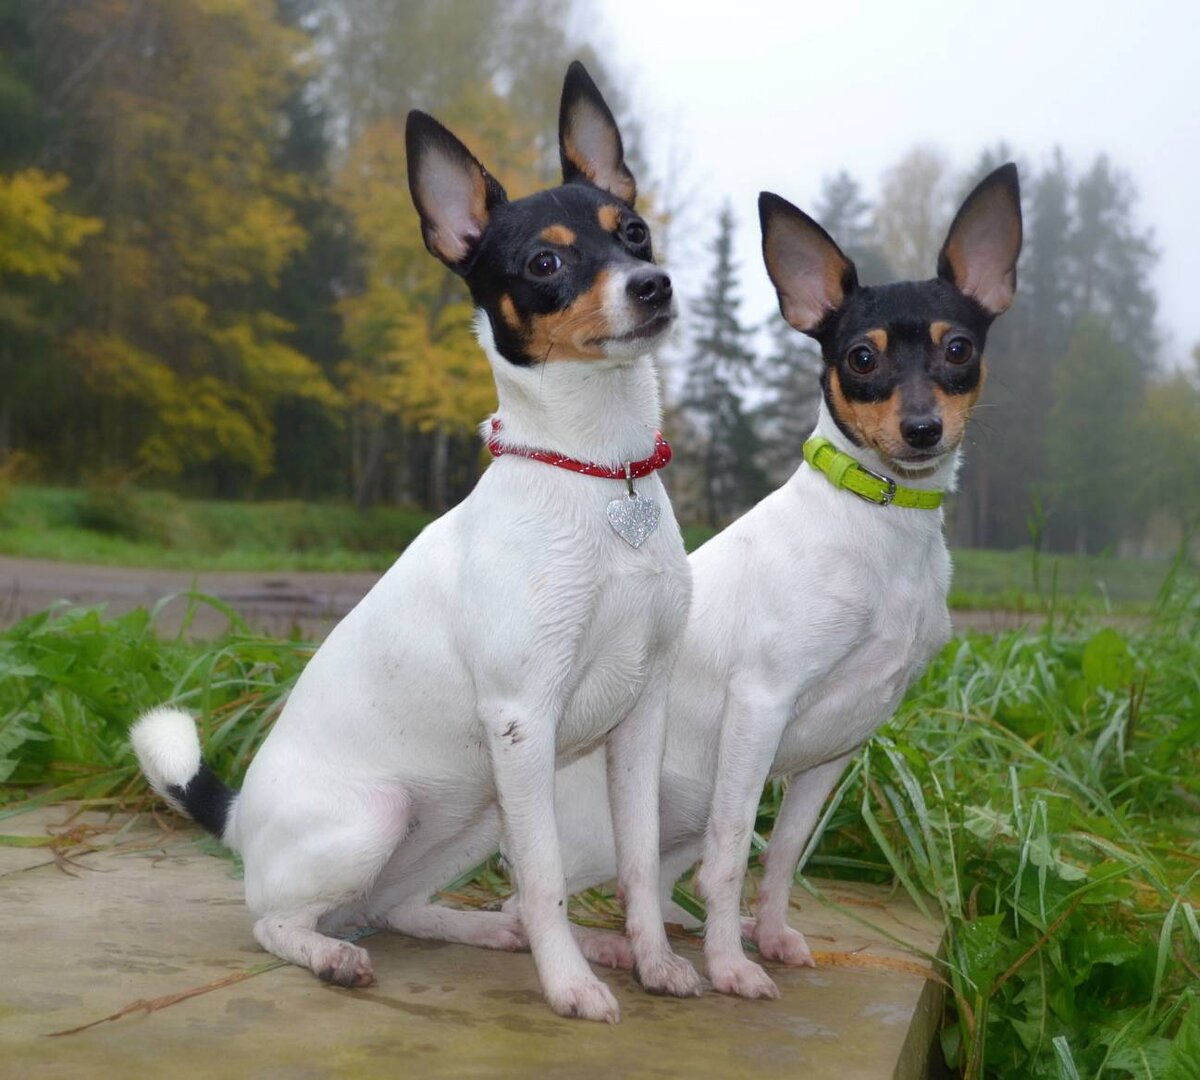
(843, 471)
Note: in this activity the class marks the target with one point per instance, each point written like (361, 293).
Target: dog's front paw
(787, 946)
(669, 974)
(344, 964)
(584, 999)
(742, 977)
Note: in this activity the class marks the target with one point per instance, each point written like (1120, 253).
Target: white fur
(516, 631)
(168, 749)
(810, 616)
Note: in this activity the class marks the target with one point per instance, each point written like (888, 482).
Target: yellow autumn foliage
(37, 240)
(413, 353)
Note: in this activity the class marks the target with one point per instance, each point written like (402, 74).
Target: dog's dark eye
(959, 350)
(544, 264)
(636, 233)
(860, 360)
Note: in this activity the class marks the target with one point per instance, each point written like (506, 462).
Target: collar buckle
(885, 497)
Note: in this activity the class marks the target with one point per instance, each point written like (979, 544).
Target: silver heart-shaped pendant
(633, 518)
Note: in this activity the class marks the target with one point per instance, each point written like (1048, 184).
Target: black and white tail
(168, 750)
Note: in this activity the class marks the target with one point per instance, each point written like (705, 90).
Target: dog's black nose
(651, 287)
(921, 432)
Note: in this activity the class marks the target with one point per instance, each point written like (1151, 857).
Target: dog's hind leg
(403, 897)
(294, 938)
(310, 860)
(485, 929)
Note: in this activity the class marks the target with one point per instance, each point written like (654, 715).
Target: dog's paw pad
(670, 974)
(787, 946)
(743, 979)
(344, 964)
(585, 999)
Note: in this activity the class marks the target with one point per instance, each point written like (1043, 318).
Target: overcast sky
(753, 95)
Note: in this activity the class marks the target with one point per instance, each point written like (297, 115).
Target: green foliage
(1097, 393)
(119, 525)
(71, 681)
(718, 371)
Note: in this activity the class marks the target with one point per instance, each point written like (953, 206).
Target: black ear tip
(419, 128)
(578, 83)
(1006, 176)
(769, 204)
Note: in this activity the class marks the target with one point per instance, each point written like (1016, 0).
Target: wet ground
(119, 912)
(274, 602)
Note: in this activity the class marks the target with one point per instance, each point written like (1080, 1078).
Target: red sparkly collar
(630, 470)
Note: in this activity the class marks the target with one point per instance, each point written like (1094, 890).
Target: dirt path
(275, 602)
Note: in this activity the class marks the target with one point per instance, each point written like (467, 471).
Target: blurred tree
(846, 216)
(721, 364)
(1168, 447)
(39, 238)
(913, 213)
(790, 372)
(172, 112)
(1113, 259)
(1090, 467)
(312, 443)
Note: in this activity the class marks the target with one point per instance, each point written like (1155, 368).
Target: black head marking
(540, 266)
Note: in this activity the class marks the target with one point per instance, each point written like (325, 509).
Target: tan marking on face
(956, 410)
(937, 331)
(878, 338)
(558, 234)
(875, 423)
(610, 218)
(576, 332)
(508, 311)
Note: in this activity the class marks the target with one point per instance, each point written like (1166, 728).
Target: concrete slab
(150, 914)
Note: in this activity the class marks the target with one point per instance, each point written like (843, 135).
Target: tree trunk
(438, 469)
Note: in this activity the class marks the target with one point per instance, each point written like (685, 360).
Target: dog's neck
(941, 475)
(601, 411)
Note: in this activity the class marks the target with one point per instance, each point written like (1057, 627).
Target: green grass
(120, 526)
(1027, 581)
(126, 527)
(1038, 791)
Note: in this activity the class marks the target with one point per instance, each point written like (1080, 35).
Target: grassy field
(1041, 792)
(131, 528)
(116, 526)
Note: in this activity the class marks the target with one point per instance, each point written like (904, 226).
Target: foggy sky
(753, 95)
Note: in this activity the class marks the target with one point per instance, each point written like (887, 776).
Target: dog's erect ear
(980, 254)
(808, 270)
(454, 194)
(588, 140)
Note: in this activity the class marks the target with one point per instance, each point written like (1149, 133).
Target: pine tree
(790, 373)
(1097, 393)
(846, 215)
(720, 367)
(1113, 259)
